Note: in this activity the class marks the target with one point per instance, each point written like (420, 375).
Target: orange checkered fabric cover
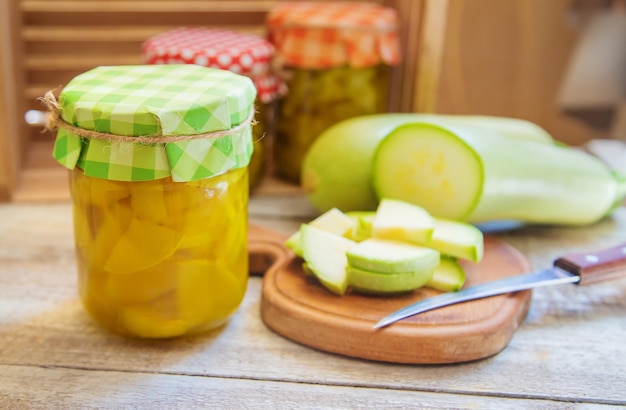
(240, 53)
(322, 35)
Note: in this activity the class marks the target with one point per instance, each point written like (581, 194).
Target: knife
(577, 268)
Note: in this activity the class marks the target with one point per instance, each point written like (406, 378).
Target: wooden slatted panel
(63, 38)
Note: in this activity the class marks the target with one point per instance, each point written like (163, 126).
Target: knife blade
(577, 268)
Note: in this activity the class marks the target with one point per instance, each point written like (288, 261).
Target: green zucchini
(337, 168)
(325, 256)
(449, 276)
(464, 174)
(387, 256)
(376, 283)
(363, 225)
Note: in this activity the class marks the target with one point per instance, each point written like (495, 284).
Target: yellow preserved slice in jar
(194, 282)
(157, 320)
(100, 216)
(192, 223)
(142, 245)
(179, 201)
(144, 285)
(104, 192)
(84, 234)
(207, 292)
(100, 307)
(147, 201)
(98, 191)
(109, 230)
(228, 203)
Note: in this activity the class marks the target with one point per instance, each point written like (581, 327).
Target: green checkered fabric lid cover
(160, 100)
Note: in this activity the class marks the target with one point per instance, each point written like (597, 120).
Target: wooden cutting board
(300, 309)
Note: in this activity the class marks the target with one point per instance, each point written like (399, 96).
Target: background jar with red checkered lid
(336, 59)
(241, 53)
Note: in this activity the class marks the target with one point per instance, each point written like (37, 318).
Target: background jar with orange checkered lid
(241, 53)
(336, 59)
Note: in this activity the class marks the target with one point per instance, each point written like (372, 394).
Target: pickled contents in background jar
(239, 52)
(336, 58)
(146, 266)
(158, 158)
(318, 99)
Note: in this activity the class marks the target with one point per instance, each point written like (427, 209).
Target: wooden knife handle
(596, 266)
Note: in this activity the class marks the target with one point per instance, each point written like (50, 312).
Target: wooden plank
(55, 33)
(410, 14)
(43, 49)
(96, 13)
(84, 388)
(127, 18)
(42, 185)
(68, 62)
(149, 6)
(430, 55)
(12, 127)
(508, 58)
(557, 349)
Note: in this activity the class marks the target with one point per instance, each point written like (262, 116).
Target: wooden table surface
(570, 352)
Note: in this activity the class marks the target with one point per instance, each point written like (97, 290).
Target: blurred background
(558, 63)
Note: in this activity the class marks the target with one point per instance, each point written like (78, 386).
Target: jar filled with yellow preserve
(336, 58)
(241, 53)
(159, 180)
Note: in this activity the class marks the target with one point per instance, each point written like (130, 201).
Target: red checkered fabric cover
(241, 53)
(329, 34)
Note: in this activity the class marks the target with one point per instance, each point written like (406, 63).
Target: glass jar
(336, 59)
(160, 218)
(241, 53)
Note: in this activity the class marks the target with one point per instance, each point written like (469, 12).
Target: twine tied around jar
(55, 122)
